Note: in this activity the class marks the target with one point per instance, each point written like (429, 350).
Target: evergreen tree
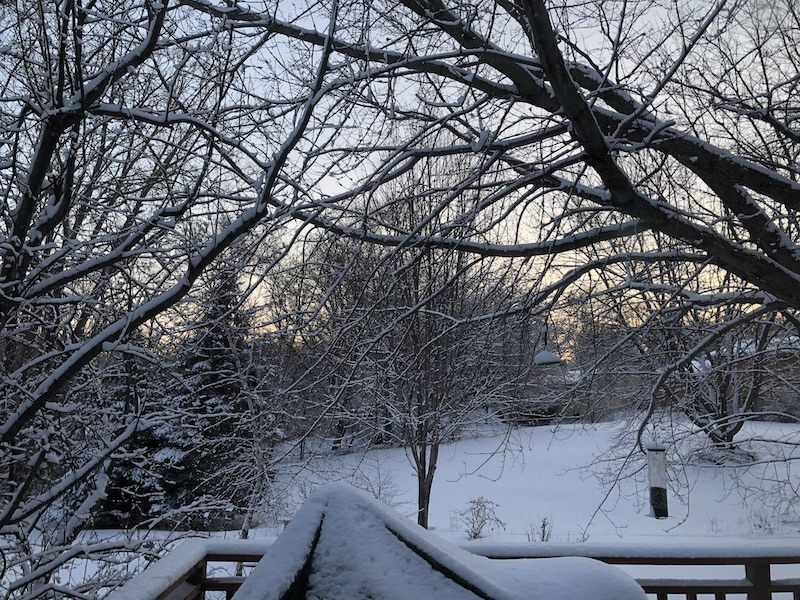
(207, 441)
(182, 470)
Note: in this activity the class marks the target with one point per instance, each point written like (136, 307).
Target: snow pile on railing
(344, 545)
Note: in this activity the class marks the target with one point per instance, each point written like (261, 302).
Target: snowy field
(564, 476)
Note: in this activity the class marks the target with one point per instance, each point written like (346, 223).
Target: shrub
(480, 516)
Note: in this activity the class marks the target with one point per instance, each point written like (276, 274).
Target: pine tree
(213, 407)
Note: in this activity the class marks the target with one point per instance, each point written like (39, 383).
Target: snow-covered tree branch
(640, 151)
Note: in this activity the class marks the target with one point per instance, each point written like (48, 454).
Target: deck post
(198, 579)
(759, 575)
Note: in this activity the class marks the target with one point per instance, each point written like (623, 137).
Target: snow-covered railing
(194, 568)
(749, 565)
(190, 571)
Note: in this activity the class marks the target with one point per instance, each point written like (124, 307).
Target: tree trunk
(423, 499)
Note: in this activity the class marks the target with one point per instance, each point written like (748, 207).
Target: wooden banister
(188, 574)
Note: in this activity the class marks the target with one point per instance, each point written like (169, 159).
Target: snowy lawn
(544, 475)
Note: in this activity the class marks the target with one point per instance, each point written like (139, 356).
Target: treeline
(349, 348)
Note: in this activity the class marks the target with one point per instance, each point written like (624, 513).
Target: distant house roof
(344, 545)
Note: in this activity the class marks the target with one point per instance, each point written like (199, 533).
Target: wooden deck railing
(193, 569)
(755, 578)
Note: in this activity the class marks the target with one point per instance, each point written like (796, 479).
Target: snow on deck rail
(182, 574)
(730, 553)
(756, 558)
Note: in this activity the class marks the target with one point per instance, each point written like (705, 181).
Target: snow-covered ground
(564, 476)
